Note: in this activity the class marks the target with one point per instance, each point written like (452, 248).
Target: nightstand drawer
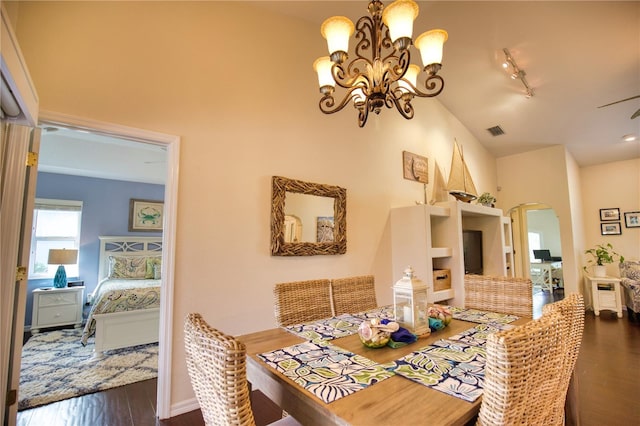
(53, 315)
(58, 299)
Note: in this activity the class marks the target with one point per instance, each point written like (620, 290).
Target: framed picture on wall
(145, 215)
(610, 228)
(632, 219)
(324, 229)
(610, 214)
(415, 167)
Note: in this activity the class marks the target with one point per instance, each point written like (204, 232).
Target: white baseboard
(184, 407)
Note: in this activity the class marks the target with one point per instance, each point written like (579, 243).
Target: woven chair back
(508, 295)
(302, 301)
(217, 369)
(571, 308)
(523, 372)
(353, 294)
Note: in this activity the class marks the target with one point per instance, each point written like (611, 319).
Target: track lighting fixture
(516, 72)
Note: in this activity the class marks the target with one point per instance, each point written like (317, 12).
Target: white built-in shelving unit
(429, 237)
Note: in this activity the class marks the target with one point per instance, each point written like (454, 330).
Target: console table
(605, 294)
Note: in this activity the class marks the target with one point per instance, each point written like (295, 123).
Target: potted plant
(601, 255)
(486, 199)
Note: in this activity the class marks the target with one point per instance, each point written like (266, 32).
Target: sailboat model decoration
(460, 184)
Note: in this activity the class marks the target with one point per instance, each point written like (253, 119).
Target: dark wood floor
(608, 386)
(131, 405)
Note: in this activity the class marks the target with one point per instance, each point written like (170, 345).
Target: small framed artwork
(609, 214)
(324, 229)
(415, 167)
(145, 215)
(610, 228)
(632, 219)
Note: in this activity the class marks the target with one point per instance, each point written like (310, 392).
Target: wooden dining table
(394, 401)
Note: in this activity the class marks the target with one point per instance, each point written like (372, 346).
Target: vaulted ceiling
(577, 55)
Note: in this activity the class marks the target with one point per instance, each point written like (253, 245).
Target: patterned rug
(55, 366)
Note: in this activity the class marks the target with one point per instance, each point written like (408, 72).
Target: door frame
(172, 144)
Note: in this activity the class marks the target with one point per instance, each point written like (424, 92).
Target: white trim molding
(172, 144)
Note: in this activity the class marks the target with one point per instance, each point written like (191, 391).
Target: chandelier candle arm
(381, 74)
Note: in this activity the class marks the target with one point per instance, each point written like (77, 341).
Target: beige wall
(245, 110)
(612, 185)
(541, 176)
(551, 176)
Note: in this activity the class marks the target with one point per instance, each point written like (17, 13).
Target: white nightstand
(605, 294)
(53, 307)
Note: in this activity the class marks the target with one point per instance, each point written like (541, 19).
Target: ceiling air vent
(495, 131)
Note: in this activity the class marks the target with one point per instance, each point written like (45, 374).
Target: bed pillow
(127, 267)
(153, 268)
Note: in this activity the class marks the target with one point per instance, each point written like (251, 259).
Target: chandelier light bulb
(399, 17)
(337, 30)
(412, 76)
(430, 45)
(322, 66)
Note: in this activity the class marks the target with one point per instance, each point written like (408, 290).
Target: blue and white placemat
(481, 317)
(326, 329)
(327, 371)
(382, 312)
(339, 326)
(454, 365)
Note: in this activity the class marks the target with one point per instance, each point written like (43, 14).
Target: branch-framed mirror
(323, 209)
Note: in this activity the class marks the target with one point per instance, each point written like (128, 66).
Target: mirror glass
(314, 214)
(307, 218)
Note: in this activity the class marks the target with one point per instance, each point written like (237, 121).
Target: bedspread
(119, 296)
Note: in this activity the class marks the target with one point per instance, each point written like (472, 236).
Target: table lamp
(62, 257)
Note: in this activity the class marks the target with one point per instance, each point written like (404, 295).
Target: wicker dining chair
(523, 373)
(507, 295)
(217, 368)
(571, 308)
(302, 301)
(353, 294)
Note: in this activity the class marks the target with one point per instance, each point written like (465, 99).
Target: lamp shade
(63, 257)
(399, 17)
(430, 45)
(412, 76)
(323, 66)
(337, 30)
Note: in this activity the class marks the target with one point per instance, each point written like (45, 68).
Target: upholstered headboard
(126, 246)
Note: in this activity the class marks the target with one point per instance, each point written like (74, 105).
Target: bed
(125, 306)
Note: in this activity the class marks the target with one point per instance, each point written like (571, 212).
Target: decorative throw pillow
(633, 274)
(152, 262)
(128, 267)
(157, 272)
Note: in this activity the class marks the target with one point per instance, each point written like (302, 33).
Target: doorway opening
(538, 250)
(163, 152)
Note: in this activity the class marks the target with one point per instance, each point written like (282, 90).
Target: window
(56, 225)
(535, 243)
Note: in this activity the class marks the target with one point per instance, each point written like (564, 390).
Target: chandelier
(381, 74)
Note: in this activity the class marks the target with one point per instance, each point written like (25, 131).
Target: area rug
(55, 366)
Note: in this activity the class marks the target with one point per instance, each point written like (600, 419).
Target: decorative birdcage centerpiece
(410, 303)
